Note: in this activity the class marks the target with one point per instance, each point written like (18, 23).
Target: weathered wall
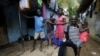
(94, 24)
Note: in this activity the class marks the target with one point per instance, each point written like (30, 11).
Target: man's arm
(28, 16)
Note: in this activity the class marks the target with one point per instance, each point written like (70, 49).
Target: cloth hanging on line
(40, 2)
(24, 4)
(52, 4)
(44, 11)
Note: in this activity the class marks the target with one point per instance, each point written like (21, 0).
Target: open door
(3, 30)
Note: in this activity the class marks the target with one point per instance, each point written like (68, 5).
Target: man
(72, 35)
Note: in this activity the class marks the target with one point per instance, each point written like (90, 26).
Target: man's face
(73, 21)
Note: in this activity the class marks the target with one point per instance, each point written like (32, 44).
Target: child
(39, 29)
(60, 22)
(84, 32)
(50, 28)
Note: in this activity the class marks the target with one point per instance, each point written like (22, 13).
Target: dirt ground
(89, 49)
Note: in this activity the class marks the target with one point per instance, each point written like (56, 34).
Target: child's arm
(84, 29)
(62, 23)
(28, 16)
(50, 22)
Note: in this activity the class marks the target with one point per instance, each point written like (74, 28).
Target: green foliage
(72, 6)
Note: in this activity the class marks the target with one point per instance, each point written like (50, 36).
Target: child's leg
(42, 35)
(57, 39)
(49, 39)
(36, 35)
(41, 42)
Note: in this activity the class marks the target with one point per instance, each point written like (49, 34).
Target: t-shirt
(38, 24)
(74, 32)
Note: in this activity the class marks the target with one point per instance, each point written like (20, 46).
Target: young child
(84, 34)
(50, 28)
(39, 29)
(60, 22)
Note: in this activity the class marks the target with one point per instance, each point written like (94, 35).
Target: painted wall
(12, 19)
(11, 14)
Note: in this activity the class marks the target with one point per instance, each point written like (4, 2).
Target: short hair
(61, 10)
(74, 17)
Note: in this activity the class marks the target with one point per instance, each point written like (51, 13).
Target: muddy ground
(92, 48)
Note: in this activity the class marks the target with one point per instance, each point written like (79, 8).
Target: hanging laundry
(97, 6)
(44, 11)
(24, 4)
(40, 2)
(52, 4)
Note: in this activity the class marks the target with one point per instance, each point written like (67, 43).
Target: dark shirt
(50, 27)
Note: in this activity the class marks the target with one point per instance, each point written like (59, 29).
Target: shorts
(39, 34)
(78, 43)
(50, 34)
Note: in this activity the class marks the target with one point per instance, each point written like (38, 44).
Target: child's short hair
(85, 24)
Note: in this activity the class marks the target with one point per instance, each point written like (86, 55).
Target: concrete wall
(94, 24)
(97, 23)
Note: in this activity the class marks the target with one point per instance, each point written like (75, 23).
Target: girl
(84, 32)
(50, 28)
(60, 22)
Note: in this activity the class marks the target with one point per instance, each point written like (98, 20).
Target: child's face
(51, 14)
(38, 12)
(59, 11)
(84, 26)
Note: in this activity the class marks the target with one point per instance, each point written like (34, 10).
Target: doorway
(3, 28)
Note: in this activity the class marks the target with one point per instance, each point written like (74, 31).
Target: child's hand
(64, 39)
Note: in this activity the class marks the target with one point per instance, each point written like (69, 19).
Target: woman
(60, 22)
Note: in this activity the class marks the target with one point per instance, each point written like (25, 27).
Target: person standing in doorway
(39, 29)
(60, 22)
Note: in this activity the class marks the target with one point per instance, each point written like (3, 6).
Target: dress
(60, 27)
(50, 28)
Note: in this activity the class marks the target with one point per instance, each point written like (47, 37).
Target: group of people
(72, 34)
